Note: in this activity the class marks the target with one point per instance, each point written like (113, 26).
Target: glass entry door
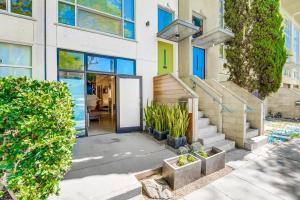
(129, 103)
(199, 62)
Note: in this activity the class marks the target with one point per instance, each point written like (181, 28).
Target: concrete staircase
(252, 139)
(208, 135)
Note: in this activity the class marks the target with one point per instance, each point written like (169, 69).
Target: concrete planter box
(178, 177)
(215, 161)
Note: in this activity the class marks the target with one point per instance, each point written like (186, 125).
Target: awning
(214, 37)
(178, 30)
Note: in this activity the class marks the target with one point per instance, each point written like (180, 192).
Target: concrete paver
(271, 172)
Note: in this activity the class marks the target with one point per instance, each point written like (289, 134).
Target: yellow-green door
(165, 58)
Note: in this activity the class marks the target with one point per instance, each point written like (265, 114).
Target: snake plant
(178, 121)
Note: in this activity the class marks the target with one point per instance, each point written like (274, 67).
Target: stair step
(255, 142)
(251, 133)
(206, 131)
(203, 122)
(247, 125)
(225, 145)
(200, 114)
(211, 139)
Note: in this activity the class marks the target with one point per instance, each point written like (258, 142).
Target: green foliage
(203, 154)
(160, 117)
(185, 159)
(267, 55)
(256, 55)
(148, 111)
(36, 136)
(178, 121)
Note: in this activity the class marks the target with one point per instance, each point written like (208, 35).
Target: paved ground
(104, 166)
(271, 172)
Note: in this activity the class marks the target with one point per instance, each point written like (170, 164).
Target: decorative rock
(155, 190)
(182, 150)
(197, 146)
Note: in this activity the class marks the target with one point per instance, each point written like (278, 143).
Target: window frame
(100, 13)
(9, 10)
(296, 46)
(20, 66)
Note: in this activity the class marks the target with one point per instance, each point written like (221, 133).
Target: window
(125, 66)
(297, 46)
(221, 13)
(69, 60)
(165, 18)
(108, 16)
(15, 60)
(100, 64)
(22, 7)
(288, 35)
(197, 21)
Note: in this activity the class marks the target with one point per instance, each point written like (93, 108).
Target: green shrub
(178, 121)
(185, 159)
(149, 118)
(36, 136)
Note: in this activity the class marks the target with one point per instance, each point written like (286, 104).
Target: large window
(221, 13)
(109, 16)
(165, 18)
(22, 7)
(297, 46)
(15, 60)
(288, 35)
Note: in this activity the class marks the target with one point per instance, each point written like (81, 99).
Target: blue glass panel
(164, 19)
(129, 30)
(100, 64)
(22, 7)
(66, 14)
(129, 9)
(75, 82)
(199, 62)
(125, 67)
(12, 54)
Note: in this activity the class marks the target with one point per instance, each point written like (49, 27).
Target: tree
(256, 54)
(237, 19)
(267, 54)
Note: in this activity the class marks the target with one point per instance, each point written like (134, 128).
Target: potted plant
(160, 130)
(178, 122)
(149, 120)
(181, 170)
(212, 160)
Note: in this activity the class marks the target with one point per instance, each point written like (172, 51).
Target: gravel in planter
(179, 176)
(214, 162)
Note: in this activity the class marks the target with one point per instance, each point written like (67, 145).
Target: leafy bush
(36, 136)
(178, 121)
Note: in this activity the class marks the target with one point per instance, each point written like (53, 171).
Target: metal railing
(224, 108)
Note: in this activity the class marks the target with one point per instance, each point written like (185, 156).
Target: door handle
(165, 59)
(197, 63)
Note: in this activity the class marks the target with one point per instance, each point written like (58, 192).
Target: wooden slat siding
(168, 89)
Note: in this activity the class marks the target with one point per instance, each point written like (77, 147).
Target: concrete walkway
(104, 167)
(269, 173)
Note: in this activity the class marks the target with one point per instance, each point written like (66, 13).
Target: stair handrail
(224, 108)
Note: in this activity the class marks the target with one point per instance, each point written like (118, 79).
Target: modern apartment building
(115, 55)
(290, 10)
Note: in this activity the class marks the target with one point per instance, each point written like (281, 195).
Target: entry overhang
(178, 30)
(213, 37)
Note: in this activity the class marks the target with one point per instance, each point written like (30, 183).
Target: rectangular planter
(215, 161)
(160, 135)
(178, 177)
(176, 142)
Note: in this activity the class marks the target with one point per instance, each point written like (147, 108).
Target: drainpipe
(45, 39)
